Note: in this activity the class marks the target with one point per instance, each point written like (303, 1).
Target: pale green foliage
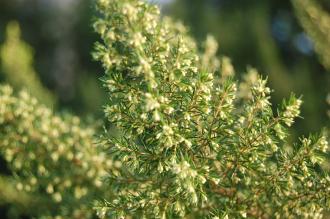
(316, 22)
(16, 62)
(53, 158)
(209, 61)
(9, 194)
(195, 144)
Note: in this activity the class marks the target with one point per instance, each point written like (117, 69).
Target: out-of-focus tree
(16, 61)
(316, 22)
(52, 158)
(62, 37)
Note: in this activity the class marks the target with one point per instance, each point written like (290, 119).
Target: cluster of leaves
(193, 144)
(52, 158)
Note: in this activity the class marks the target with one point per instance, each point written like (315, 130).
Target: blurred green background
(263, 34)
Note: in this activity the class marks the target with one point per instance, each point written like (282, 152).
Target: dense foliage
(192, 147)
(52, 158)
(191, 141)
(266, 35)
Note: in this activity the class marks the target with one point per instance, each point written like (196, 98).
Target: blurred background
(287, 41)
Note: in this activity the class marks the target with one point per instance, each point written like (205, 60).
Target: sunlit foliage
(194, 144)
(53, 158)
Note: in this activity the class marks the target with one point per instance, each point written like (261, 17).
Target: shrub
(52, 158)
(192, 143)
(191, 146)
